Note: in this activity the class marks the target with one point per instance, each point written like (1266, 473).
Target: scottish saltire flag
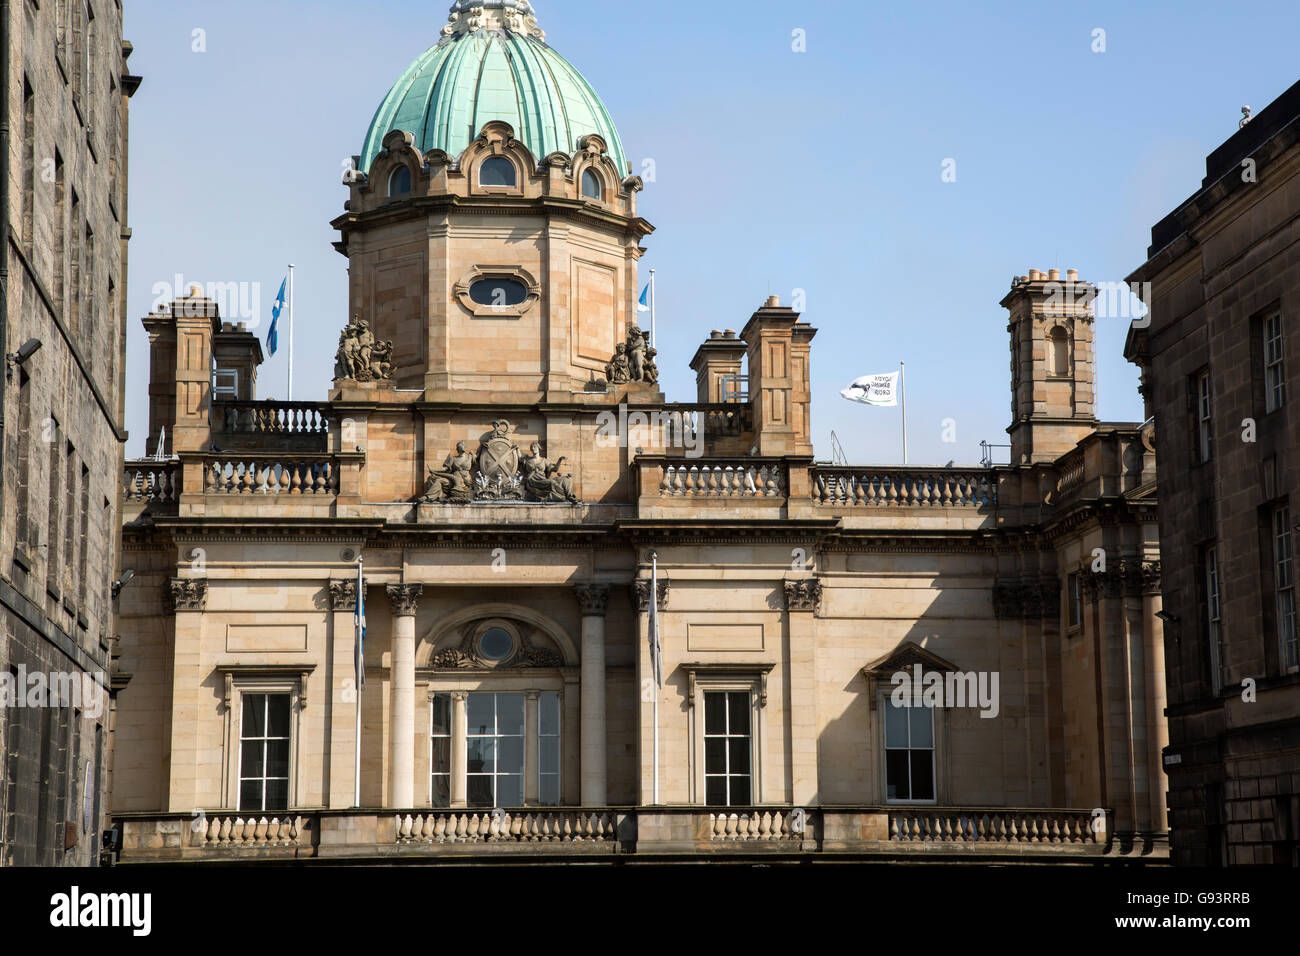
(643, 303)
(873, 389)
(361, 629)
(276, 309)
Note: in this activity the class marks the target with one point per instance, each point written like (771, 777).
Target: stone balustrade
(151, 482)
(944, 825)
(706, 478)
(517, 826)
(868, 487)
(757, 825)
(271, 418)
(957, 833)
(270, 475)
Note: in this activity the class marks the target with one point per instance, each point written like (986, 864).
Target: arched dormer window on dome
(498, 171)
(399, 181)
(592, 188)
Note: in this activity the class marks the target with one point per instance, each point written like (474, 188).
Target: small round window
(591, 185)
(498, 292)
(496, 644)
(399, 183)
(496, 171)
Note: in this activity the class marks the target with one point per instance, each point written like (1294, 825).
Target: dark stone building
(65, 237)
(1219, 360)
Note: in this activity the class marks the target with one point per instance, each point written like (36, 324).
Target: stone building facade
(1220, 364)
(61, 407)
(496, 478)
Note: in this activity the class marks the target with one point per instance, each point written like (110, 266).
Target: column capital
(404, 598)
(343, 595)
(592, 599)
(803, 595)
(640, 594)
(1151, 574)
(532, 694)
(459, 695)
(187, 594)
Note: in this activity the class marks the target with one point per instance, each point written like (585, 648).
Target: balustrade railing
(723, 479)
(757, 826)
(251, 831)
(1072, 471)
(526, 826)
(939, 825)
(904, 487)
(151, 481)
(271, 418)
(271, 475)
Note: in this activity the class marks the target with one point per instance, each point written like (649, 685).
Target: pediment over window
(904, 657)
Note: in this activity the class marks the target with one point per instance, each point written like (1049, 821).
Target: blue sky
(774, 169)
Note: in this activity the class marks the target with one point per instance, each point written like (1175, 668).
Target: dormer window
(591, 186)
(399, 183)
(497, 171)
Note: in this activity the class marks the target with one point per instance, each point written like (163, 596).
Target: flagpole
(360, 665)
(291, 331)
(655, 652)
(902, 385)
(652, 309)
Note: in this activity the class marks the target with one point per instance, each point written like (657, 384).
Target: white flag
(873, 389)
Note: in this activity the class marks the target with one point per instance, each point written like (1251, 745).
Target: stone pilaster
(342, 742)
(592, 600)
(401, 764)
(187, 598)
(802, 599)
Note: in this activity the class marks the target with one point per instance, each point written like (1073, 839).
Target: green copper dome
(493, 64)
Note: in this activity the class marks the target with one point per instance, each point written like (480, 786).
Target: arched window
(1058, 352)
(497, 171)
(399, 183)
(591, 185)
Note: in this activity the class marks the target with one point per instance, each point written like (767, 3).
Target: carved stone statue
(542, 479)
(636, 346)
(452, 483)
(360, 358)
(617, 370)
(651, 376)
(381, 361)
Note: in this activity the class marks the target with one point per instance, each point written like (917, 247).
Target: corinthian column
(401, 757)
(592, 599)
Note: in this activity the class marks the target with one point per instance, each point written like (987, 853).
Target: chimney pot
(196, 291)
(1072, 275)
(773, 302)
(1054, 275)
(729, 334)
(716, 334)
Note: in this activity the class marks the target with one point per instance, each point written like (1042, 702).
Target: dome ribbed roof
(493, 64)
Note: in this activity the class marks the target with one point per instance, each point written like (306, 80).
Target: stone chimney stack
(779, 383)
(180, 373)
(718, 359)
(238, 353)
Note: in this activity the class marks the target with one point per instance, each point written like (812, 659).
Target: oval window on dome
(496, 644)
(499, 292)
(399, 183)
(496, 172)
(591, 187)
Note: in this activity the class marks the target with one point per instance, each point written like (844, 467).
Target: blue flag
(642, 304)
(271, 337)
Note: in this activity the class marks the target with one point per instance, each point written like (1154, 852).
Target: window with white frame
(909, 753)
(495, 748)
(1284, 588)
(1274, 368)
(548, 749)
(1214, 628)
(728, 746)
(1204, 432)
(264, 747)
(1074, 591)
(440, 750)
